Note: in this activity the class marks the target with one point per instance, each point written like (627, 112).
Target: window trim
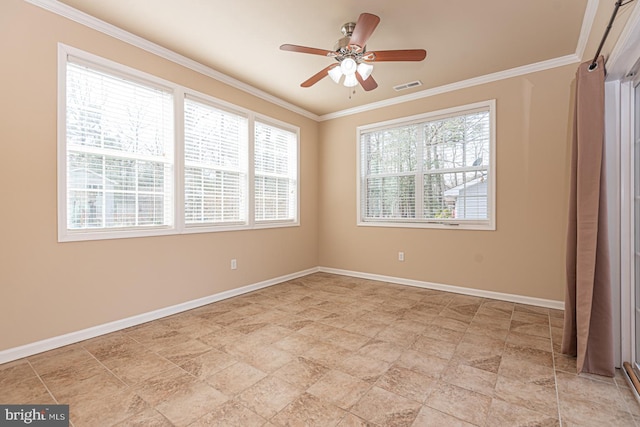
(273, 223)
(489, 224)
(180, 93)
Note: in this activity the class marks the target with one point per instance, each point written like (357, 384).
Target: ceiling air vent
(409, 85)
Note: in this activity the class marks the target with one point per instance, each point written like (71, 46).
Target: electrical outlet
(400, 256)
(234, 264)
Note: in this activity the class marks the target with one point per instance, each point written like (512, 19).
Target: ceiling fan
(354, 61)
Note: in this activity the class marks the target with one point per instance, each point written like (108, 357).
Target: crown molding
(587, 25)
(127, 37)
(487, 78)
(92, 22)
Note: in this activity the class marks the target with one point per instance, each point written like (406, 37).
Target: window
(215, 165)
(434, 170)
(119, 152)
(141, 156)
(276, 171)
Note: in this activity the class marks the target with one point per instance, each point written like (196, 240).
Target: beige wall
(48, 288)
(525, 255)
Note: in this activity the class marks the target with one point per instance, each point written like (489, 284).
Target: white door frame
(622, 70)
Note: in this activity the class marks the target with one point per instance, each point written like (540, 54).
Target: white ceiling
(464, 39)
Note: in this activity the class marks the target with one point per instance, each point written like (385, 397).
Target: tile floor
(327, 350)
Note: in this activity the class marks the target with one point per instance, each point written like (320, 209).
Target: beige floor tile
(366, 327)
(230, 414)
(535, 329)
(326, 354)
(146, 418)
(397, 336)
(269, 334)
(61, 358)
(114, 345)
(527, 372)
(190, 403)
(296, 344)
(235, 378)
(133, 369)
(470, 378)
(449, 323)
(385, 408)
(539, 357)
(429, 417)
(480, 351)
(531, 309)
(222, 338)
(461, 403)
(532, 341)
(539, 398)
(293, 322)
(184, 351)
(348, 340)
(564, 363)
(363, 367)
(13, 373)
(208, 364)
(429, 365)
(578, 412)
(309, 411)
(380, 350)
(377, 349)
(351, 420)
(463, 313)
(160, 387)
(106, 409)
(407, 383)
(580, 387)
(301, 372)
(504, 306)
(478, 329)
(269, 396)
(443, 334)
(486, 319)
(25, 391)
(339, 388)
(503, 413)
(67, 384)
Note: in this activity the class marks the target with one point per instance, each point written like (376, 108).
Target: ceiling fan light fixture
(348, 66)
(350, 80)
(365, 70)
(335, 73)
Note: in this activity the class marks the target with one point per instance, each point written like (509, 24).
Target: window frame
(271, 223)
(488, 224)
(180, 94)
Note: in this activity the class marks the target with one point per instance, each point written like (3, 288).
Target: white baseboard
(84, 334)
(540, 302)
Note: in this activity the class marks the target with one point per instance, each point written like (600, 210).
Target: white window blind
(276, 172)
(431, 170)
(119, 151)
(215, 165)
(140, 156)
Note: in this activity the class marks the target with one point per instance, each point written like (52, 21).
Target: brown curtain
(588, 321)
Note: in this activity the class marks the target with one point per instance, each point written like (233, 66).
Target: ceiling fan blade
(310, 50)
(396, 55)
(368, 84)
(365, 26)
(318, 76)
